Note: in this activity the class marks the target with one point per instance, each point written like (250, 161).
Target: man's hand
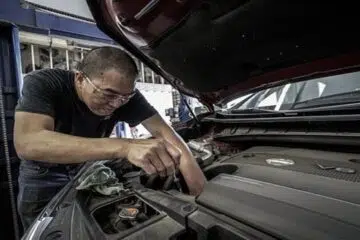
(189, 168)
(154, 156)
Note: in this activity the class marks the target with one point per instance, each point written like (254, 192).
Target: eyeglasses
(109, 97)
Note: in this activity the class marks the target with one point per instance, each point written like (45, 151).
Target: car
(278, 144)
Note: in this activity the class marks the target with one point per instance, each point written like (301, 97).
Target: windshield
(339, 89)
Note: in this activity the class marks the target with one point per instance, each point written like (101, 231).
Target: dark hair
(101, 59)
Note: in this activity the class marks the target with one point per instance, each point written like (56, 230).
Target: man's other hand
(154, 156)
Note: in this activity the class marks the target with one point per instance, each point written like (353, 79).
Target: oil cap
(128, 213)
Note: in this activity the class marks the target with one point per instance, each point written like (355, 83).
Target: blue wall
(35, 21)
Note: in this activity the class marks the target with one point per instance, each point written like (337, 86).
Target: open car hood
(212, 49)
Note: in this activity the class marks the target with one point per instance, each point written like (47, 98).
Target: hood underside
(211, 49)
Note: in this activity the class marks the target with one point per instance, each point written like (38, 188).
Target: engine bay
(258, 192)
(261, 161)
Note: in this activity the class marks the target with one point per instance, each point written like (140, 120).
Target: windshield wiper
(254, 113)
(254, 110)
(337, 99)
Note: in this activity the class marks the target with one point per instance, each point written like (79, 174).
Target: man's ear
(79, 77)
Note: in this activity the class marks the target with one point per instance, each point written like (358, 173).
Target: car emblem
(279, 162)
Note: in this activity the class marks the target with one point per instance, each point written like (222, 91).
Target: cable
(8, 165)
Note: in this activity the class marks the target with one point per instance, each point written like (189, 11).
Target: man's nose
(115, 103)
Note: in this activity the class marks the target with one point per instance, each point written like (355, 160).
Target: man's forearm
(56, 147)
(193, 175)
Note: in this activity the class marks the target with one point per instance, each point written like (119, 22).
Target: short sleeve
(38, 96)
(136, 110)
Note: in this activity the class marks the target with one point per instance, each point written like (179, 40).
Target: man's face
(103, 95)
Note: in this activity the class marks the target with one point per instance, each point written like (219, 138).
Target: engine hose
(209, 156)
(8, 165)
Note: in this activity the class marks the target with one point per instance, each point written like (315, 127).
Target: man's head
(105, 79)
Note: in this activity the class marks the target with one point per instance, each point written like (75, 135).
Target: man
(63, 119)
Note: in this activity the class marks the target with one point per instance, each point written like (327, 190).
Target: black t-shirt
(52, 92)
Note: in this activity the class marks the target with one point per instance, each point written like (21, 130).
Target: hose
(207, 159)
(8, 165)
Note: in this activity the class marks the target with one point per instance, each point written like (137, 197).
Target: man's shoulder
(43, 89)
(50, 78)
(49, 74)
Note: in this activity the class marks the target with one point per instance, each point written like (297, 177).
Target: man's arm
(189, 168)
(35, 139)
